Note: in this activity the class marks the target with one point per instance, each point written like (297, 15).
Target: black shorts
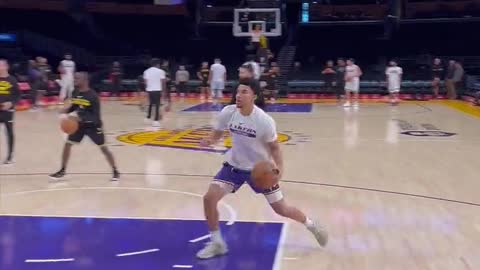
(205, 84)
(6, 116)
(94, 132)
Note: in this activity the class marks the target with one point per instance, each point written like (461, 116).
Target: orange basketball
(264, 175)
(69, 125)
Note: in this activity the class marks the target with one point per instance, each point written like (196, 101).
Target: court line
(232, 212)
(285, 181)
(182, 266)
(49, 260)
(199, 238)
(138, 252)
(277, 263)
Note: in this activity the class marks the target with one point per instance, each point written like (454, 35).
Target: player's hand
(278, 172)
(6, 106)
(206, 142)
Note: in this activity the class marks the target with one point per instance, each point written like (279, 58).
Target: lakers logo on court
(188, 139)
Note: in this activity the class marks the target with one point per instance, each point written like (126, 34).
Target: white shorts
(353, 85)
(219, 85)
(394, 87)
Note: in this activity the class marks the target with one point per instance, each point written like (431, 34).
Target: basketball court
(397, 188)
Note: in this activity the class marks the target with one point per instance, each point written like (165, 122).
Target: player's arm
(277, 156)
(271, 138)
(199, 75)
(213, 138)
(220, 125)
(14, 96)
(359, 72)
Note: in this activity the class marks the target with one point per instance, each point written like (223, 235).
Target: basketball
(69, 125)
(264, 175)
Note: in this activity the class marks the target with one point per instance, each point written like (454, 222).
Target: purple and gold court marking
(64, 243)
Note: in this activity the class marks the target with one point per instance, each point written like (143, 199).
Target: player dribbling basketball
(254, 138)
(86, 104)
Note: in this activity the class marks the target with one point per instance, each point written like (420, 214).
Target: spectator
(340, 79)
(255, 67)
(218, 77)
(116, 75)
(449, 84)
(458, 79)
(34, 79)
(181, 78)
(437, 74)
(329, 75)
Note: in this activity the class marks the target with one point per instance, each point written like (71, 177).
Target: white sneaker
(156, 124)
(212, 249)
(320, 233)
(355, 105)
(347, 104)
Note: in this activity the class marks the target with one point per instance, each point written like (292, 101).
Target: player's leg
(356, 93)
(10, 140)
(348, 95)
(70, 87)
(97, 135)
(156, 101)
(217, 245)
(280, 206)
(34, 94)
(150, 105)
(63, 89)
(72, 139)
(226, 181)
(435, 87)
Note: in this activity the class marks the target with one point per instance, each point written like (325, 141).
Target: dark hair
(248, 67)
(252, 83)
(155, 62)
(351, 59)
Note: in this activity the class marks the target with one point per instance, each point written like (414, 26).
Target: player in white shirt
(254, 138)
(217, 78)
(255, 67)
(67, 70)
(394, 81)
(352, 83)
(155, 84)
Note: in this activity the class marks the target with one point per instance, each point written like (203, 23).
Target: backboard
(246, 19)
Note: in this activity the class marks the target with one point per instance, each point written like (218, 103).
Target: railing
(95, 7)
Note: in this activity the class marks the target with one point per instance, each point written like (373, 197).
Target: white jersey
(218, 72)
(153, 79)
(68, 68)
(352, 72)
(394, 75)
(256, 69)
(250, 136)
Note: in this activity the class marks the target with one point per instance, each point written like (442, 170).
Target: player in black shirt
(329, 74)
(86, 104)
(437, 74)
(203, 74)
(340, 79)
(9, 95)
